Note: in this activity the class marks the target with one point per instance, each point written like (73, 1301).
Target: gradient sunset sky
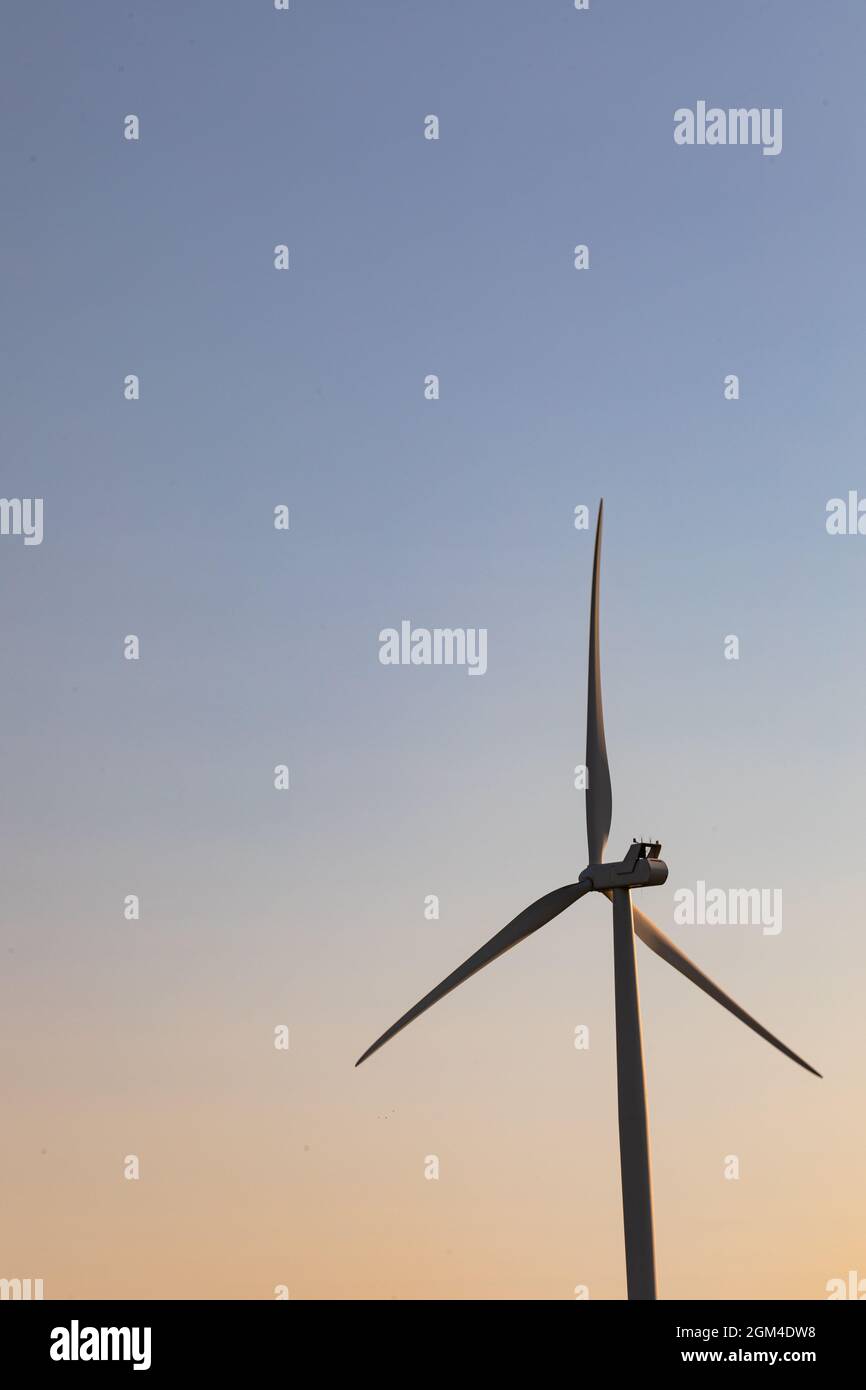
(260, 1167)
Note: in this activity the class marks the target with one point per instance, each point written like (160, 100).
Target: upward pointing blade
(650, 934)
(599, 803)
(523, 925)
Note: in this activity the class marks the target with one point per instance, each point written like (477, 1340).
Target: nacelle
(641, 868)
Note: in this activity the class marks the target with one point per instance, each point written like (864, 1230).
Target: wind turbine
(641, 868)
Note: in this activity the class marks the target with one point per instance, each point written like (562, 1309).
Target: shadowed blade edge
(523, 925)
(599, 801)
(653, 937)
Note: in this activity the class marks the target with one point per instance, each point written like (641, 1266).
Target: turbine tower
(641, 868)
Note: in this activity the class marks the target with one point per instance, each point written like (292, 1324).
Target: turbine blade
(651, 936)
(599, 803)
(523, 925)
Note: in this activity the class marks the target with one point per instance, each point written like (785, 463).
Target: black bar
(219, 1339)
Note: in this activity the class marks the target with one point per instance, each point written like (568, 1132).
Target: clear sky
(306, 387)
